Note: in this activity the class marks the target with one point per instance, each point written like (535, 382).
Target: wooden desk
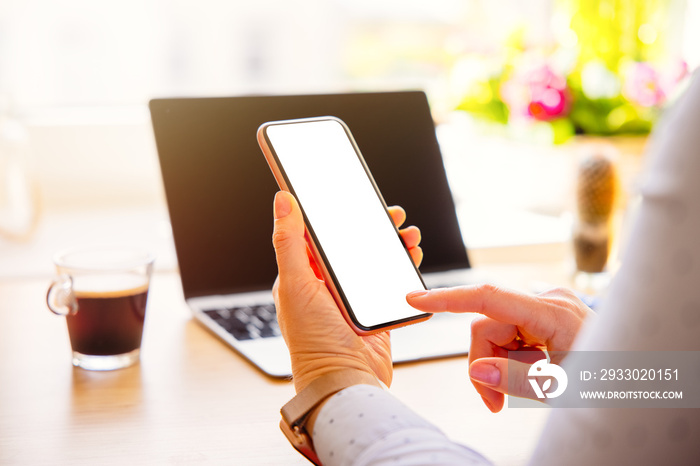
(192, 400)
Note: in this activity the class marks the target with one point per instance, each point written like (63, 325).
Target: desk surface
(192, 400)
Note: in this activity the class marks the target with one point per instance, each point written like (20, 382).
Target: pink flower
(673, 76)
(537, 92)
(643, 85)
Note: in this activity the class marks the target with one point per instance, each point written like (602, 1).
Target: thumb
(501, 375)
(288, 238)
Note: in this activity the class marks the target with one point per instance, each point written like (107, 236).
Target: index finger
(498, 303)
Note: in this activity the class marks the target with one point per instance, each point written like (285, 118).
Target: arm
(653, 304)
(361, 424)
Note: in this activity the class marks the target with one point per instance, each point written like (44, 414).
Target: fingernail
(417, 294)
(282, 205)
(487, 403)
(485, 374)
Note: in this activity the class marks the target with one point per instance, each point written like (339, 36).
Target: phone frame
(312, 241)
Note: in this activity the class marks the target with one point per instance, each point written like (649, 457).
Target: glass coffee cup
(102, 292)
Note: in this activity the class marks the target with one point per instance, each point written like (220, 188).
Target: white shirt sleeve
(653, 304)
(365, 425)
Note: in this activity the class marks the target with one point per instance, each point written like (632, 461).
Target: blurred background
(517, 89)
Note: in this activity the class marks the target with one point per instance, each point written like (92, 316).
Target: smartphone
(364, 262)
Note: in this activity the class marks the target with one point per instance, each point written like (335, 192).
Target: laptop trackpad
(444, 335)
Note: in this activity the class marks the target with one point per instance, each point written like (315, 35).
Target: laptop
(219, 192)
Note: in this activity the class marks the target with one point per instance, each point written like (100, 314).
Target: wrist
(305, 372)
(299, 414)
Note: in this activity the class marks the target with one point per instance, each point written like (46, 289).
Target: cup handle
(60, 297)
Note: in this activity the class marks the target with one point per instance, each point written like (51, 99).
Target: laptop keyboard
(247, 322)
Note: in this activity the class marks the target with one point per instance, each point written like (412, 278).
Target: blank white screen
(352, 228)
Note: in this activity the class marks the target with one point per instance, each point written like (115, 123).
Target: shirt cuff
(367, 425)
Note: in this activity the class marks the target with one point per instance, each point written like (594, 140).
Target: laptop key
(256, 322)
(275, 328)
(266, 313)
(253, 331)
(242, 314)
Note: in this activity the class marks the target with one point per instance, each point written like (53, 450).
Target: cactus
(596, 195)
(597, 188)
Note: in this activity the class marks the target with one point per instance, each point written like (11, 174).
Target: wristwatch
(296, 412)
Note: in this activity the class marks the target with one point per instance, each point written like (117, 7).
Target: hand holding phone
(365, 264)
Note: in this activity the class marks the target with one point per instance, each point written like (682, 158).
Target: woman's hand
(318, 337)
(510, 321)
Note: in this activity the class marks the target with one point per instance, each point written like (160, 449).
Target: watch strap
(296, 412)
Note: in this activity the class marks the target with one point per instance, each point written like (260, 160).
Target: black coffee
(108, 323)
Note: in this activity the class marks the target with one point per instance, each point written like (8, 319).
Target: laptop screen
(219, 188)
